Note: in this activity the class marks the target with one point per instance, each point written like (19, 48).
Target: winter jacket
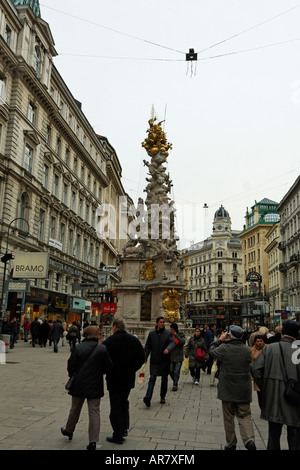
(191, 348)
(5, 328)
(35, 328)
(177, 353)
(127, 355)
(158, 340)
(235, 357)
(89, 361)
(268, 373)
(74, 331)
(57, 331)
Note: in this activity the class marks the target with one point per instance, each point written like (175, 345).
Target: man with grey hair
(235, 386)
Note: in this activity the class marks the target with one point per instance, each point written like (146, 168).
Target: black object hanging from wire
(191, 57)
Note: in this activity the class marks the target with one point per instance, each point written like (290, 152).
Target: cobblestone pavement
(34, 405)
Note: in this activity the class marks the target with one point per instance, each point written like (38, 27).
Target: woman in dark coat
(89, 361)
(195, 341)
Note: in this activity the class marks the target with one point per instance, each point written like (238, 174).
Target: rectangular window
(52, 227)
(65, 194)
(45, 176)
(58, 146)
(31, 113)
(55, 185)
(2, 90)
(28, 158)
(41, 225)
(73, 205)
(7, 35)
(48, 135)
(70, 242)
(62, 234)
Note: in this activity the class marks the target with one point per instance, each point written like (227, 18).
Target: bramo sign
(31, 265)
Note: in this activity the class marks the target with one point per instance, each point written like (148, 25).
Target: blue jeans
(163, 386)
(55, 345)
(175, 368)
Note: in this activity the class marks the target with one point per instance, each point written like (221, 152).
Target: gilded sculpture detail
(171, 304)
(149, 271)
(156, 140)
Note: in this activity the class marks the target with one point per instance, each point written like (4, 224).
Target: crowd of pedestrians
(242, 362)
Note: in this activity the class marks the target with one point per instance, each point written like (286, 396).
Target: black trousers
(119, 411)
(293, 436)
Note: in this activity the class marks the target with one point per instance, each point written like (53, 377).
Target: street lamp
(5, 259)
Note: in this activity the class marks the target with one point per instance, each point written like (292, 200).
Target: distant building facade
(213, 276)
(255, 298)
(289, 209)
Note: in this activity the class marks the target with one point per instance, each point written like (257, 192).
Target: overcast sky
(233, 117)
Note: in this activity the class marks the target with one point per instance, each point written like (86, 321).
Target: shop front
(58, 306)
(76, 310)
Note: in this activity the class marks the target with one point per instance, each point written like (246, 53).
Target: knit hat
(290, 328)
(236, 331)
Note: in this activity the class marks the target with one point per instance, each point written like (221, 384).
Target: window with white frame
(2, 90)
(28, 157)
(52, 227)
(31, 112)
(45, 176)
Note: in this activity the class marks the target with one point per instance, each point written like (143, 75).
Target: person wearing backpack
(196, 345)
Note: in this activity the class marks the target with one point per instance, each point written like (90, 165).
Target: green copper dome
(34, 4)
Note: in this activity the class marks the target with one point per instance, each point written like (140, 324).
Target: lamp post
(5, 259)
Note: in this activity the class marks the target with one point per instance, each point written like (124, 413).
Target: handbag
(70, 382)
(185, 367)
(291, 386)
(200, 354)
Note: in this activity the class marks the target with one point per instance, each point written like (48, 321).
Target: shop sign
(78, 304)
(28, 265)
(109, 307)
(39, 297)
(58, 303)
(17, 286)
(253, 276)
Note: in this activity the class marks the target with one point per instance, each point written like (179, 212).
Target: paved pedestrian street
(34, 405)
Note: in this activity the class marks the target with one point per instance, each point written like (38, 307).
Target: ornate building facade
(255, 299)
(55, 172)
(213, 276)
(289, 209)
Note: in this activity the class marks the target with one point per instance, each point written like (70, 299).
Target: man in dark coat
(268, 372)
(159, 344)
(235, 385)
(57, 332)
(127, 355)
(89, 361)
(35, 332)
